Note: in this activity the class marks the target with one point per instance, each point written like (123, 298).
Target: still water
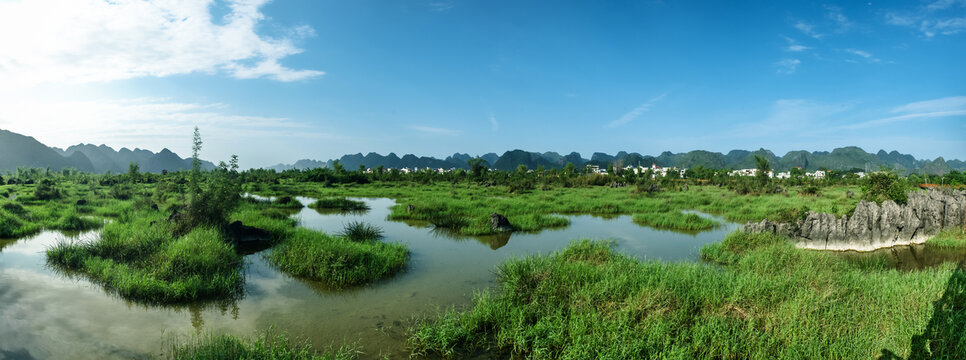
(45, 315)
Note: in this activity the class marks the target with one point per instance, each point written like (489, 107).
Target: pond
(44, 314)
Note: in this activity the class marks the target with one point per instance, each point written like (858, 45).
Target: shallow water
(46, 315)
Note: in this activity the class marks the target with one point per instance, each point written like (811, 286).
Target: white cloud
(435, 130)
(638, 111)
(77, 41)
(807, 29)
(148, 123)
(494, 125)
(863, 54)
(920, 110)
(797, 48)
(943, 104)
(937, 18)
(441, 6)
(788, 66)
(835, 14)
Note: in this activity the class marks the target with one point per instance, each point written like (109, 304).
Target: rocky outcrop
(500, 223)
(872, 226)
(246, 237)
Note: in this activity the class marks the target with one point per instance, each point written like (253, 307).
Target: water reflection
(907, 257)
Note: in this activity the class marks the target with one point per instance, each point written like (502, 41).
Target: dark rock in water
(410, 208)
(248, 237)
(874, 226)
(500, 223)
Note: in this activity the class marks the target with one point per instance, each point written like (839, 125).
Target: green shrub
(884, 185)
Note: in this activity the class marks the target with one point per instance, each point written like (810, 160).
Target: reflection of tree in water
(945, 335)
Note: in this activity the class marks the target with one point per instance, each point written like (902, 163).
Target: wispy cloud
(794, 46)
(96, 41)
(920, 110)
(941, 104)
(440, 6)
(151, 123)
(638, 111)
(494, 125)
(863, 54)
(942, 17)
(835, 14)
(807, 29)
(787, 66)
(435, 130)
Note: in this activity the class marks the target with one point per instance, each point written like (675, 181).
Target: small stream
(46, 315)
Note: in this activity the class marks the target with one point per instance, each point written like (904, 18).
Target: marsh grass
(770, 301)
(143, 261)
(466, 209)
(949, 239)
(339, 204)
(270, 344)
(287, 202)
(361, 231)
(337, 261)
(675, 220)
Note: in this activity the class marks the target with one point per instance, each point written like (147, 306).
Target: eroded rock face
(872, 226)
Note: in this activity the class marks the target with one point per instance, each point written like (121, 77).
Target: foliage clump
(884, 185)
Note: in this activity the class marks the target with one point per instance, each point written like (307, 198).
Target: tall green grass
(675, 220)
(771, 301)
(270, 344)
(140, 260)
(361, 231)
(337, 261)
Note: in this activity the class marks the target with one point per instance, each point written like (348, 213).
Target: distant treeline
(847, 158)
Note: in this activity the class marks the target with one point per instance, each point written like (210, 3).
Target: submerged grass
(770, 301)
(270, 344)
(675, 220)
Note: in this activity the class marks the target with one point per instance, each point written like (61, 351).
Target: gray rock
(872, 226)
(500, 223)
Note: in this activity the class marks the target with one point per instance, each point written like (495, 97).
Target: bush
(883, 185)
(46, 191)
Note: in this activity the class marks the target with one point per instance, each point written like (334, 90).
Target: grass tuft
(270, 344)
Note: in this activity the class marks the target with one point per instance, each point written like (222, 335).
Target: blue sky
(284, 80)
